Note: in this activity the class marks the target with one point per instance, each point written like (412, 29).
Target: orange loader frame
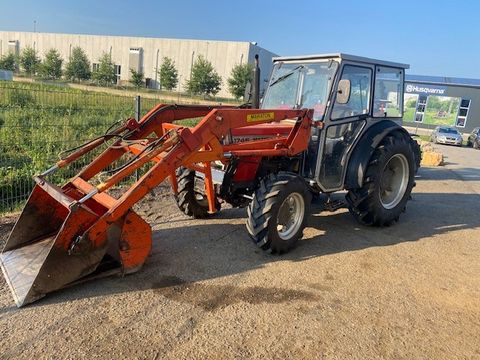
(67, 233)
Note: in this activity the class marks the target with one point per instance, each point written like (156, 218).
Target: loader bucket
(38, 257)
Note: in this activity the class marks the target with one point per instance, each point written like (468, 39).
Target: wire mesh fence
(37, 122)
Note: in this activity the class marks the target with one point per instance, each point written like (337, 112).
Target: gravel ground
(411, 291)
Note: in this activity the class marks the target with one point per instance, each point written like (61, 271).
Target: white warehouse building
(143, 53)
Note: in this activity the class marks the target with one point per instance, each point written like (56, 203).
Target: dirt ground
(411, 291)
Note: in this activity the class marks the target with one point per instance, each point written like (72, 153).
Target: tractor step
(334, 205)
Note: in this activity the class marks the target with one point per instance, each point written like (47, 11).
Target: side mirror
(343, 92)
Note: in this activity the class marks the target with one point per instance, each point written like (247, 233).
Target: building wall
(471, 93)
(222, 54)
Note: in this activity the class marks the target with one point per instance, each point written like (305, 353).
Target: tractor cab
(348, 94)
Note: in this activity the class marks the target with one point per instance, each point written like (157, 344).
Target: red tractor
(315, 131)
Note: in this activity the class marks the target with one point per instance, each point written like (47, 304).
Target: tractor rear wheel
(278, 212)
(191, 198)
(387, 185)
(417, 153)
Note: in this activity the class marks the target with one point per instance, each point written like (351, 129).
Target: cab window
(387, 93)
(359, 101)
(282, 91)
(316, 84)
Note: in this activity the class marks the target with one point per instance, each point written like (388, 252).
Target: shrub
(20, 98)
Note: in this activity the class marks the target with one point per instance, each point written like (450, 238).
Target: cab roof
(342, 56)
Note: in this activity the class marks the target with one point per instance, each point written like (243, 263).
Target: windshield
(448, 131)
(300, 85)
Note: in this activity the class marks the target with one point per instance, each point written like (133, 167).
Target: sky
(435, 37)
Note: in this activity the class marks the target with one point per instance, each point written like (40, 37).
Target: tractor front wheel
(278, 212)
(387, 185)
(191, 198)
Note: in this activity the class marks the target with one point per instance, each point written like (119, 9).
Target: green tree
(29, 60)
(51, 67)
(433, 103)
(239, 77)
(136, 78)
(411, 103)
(168, 74)
(205, 80)
(8, 62)
(105, 73)
(78, 66)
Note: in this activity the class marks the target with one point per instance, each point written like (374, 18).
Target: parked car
(474, 138)
(446, 135)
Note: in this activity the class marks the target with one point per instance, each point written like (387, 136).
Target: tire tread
(363, 203)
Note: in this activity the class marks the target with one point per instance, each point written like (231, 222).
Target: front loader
(326, 123)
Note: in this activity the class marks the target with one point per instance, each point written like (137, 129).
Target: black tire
(268, 201)
(417, 152)
(476, 144)
(188, 198)
(366, 203)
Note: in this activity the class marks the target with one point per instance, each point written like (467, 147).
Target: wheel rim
(394, 181)
(290, 216)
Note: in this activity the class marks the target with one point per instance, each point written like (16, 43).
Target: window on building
(420, 111)
(13, 47)
(387, 94)
(135, 58)
(359, 101)
(118, 72)
(463, 113)
(95, 66)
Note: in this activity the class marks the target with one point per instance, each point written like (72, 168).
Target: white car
(446, 135)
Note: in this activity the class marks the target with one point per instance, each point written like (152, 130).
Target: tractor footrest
(334, 205)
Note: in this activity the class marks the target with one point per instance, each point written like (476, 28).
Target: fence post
(137, 107)
(138, 112)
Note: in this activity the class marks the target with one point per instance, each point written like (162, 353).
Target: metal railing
(37, 122)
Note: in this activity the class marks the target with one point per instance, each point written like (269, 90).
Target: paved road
(463, 162)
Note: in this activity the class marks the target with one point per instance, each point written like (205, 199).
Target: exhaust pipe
(256, 84)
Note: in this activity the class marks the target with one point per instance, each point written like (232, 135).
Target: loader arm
(67, 233)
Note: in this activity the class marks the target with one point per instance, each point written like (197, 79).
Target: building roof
(13, 33)
(442, 80)
(343, 57)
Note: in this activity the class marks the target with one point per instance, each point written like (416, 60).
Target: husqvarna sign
(422, 89)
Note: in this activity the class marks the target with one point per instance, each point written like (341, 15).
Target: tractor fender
(366, 145)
